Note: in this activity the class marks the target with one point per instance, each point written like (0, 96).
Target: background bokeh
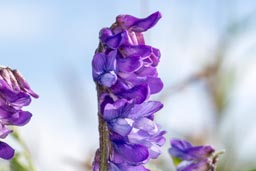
(208, 66)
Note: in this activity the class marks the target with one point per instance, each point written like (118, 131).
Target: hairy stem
(104, 136)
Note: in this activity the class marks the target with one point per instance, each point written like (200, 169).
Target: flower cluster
(14, 95)
(124, 70)
(193, 158)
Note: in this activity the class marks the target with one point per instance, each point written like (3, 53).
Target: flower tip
(6, 152)
(33, 94)
(157, 15)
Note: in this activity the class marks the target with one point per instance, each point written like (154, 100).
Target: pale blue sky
(52, 44)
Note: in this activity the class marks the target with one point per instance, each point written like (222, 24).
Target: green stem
(104, 136)
(26, 152)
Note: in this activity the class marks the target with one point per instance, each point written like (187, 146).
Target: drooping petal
(20, 118)
(22, 100)
(145, 109)
(155, 84)
(24, 84)
(6, 152)
(127, 152)
(136, 24)
(17, 99)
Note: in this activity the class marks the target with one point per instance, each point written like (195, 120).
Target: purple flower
(192, 158)
(132, 129)
(14, 95)
(123, 62)
(124, 70)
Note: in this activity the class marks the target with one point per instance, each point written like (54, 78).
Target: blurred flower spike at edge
(187, 157)
(124, 70)
(15, 93)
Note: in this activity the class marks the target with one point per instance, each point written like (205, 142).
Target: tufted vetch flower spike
(193, 158)
(15, 93)
(124, 70)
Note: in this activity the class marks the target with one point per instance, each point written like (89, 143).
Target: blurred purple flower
(14, 94)
(192, 158)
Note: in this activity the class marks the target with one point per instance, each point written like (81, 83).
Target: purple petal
(147, 71)
(20, 118)
(111, 61)
(138, 93)
(120, 86)
(98, 63)
(184, 150)
(155, 84)
(154, 151)
(140, 38)
(4, 131)
(133, 153)
(155, 56)
(115, 41)
(112, 111)
(105, 33)
(129, 64)
(136, 24)
(102, 62)
(178, 149)
(147, 125)
(145, 109)
(6, 112)
(22, 100)
(6, 152)
(136, 50)
(126, 167)
(120, 126)
(104, 68)
(180, 144)
(113, 167)
(24, 84)
(108, 79)
(191, 166)
(201, 152)
(16, 98)
(159, 139)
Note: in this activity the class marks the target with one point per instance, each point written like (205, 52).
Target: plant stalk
(103, 136)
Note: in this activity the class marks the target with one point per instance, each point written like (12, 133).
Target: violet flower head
(124, 70)
(193, 158)
(15, 93)
(123, 62)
